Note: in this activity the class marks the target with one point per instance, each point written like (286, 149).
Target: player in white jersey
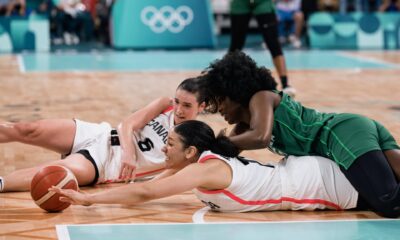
(229, 183)
(97, 153)
(296, 183)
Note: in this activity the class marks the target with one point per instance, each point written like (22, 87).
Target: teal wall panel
(24, 33)
(354, 31)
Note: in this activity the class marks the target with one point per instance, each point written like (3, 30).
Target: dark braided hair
(235, 76)
(200, 135)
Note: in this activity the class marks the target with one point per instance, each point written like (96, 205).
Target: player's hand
(128, 169)
(72, 196)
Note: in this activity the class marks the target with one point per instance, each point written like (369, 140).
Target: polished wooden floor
(109, 96)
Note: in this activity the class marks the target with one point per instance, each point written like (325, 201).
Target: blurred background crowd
(76, 21)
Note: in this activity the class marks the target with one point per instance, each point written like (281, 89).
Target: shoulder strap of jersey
(207, 155)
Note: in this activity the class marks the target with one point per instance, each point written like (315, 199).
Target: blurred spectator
(328, 5)
(291, 21)
(308, 7)
(44, 7)
(73, 22)
(12, 7)
(90, 6)
(390, 6)
(3, 7)
(48, 8)
(359, 5)
(102, 20)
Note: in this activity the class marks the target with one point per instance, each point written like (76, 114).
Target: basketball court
(108, 86)
(98, 84)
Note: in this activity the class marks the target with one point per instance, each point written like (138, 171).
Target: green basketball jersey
(252, 6)
(342, 137)
(296, 128)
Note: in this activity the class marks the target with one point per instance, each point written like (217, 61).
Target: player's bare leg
(20, 180)
(53, 134)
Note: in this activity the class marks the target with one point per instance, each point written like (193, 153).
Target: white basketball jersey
(295, 183)
(149, 142)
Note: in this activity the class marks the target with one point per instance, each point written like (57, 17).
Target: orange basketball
(52, 176)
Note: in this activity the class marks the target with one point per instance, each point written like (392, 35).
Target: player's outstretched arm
(193, 176)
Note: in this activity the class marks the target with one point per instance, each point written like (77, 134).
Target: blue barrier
(24, 33)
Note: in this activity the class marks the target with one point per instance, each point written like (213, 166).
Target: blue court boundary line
(63, 234)
(246, 222)
(195, 60)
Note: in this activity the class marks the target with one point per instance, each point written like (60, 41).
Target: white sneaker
(75, 39)
(67, 38)
(57, 41)
(296, 43)
(291, 91)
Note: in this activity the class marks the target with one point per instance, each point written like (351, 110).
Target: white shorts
(335, 182)
(96, 139)
(319, 179)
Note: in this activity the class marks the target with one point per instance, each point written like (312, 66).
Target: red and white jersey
(150, 140)
(296, 183)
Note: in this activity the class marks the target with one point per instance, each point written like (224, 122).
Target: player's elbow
(165, 100)
(262, 140)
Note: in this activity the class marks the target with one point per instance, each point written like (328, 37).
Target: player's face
(230, 110)
(186, 106)
(174, 151)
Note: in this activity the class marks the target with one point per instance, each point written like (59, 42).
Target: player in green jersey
(245, 95)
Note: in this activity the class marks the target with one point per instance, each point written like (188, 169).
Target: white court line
(198, 216)
(62, 232)
(368, 59)
(21, 64)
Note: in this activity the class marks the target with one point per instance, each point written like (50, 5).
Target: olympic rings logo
(167, 18)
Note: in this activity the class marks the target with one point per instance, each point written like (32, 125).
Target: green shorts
(348, 136)
(252, 6)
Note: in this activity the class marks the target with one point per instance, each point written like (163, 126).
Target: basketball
(52, 176)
